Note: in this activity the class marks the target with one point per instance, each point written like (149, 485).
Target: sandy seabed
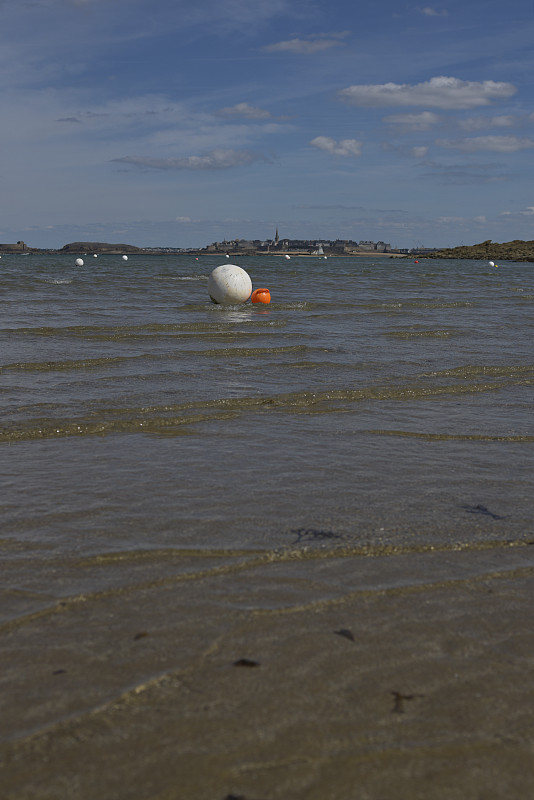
(318, 675)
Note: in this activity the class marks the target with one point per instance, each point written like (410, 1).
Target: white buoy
(125, 258)
(229, 284)
(288, 257)
(79, 262)
(95, 255)
(492, 264)
(227, 256)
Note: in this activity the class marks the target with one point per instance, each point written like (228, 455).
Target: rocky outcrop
(99, 247)
(516, 250)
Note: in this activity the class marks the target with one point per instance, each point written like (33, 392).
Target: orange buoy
(261, 296)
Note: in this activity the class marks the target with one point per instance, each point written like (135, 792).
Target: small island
(77, 248)
(517, 250)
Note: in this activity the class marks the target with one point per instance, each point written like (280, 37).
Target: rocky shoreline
(517, 250)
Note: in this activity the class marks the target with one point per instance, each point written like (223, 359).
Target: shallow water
(187, 487)
(374, 398)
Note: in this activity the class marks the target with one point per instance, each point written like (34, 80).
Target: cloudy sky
(182, 122)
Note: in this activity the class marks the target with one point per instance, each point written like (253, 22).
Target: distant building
(380, 247)
(302, 246)
(19, 247)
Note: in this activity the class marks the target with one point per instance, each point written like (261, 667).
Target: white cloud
(440, 92)
(180, 140)
(419, 151)
(345, 147)
(479, 123)
(433, 12)
(217, 159)
(302, 46)
(421, 121)
(503, 121)
(244, 110)
(480, 220)
(518, 215)
(498, 144)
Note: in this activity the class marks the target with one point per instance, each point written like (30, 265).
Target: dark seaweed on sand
(312, 534)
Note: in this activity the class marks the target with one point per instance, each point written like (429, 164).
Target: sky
(177, 123)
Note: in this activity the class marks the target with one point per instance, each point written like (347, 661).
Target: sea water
(375, 402)
(335, 489)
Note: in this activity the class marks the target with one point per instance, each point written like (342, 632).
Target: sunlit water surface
(375, 402)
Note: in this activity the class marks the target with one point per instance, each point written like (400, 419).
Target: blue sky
(165, 122)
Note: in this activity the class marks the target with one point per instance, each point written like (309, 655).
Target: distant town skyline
(273, 244)
(177, 123)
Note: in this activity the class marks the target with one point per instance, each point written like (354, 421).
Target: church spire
(276, 237)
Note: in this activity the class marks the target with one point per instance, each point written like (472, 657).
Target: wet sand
(304, 674)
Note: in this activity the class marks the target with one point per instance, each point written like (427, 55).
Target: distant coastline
(234, 249)
(516, 250)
